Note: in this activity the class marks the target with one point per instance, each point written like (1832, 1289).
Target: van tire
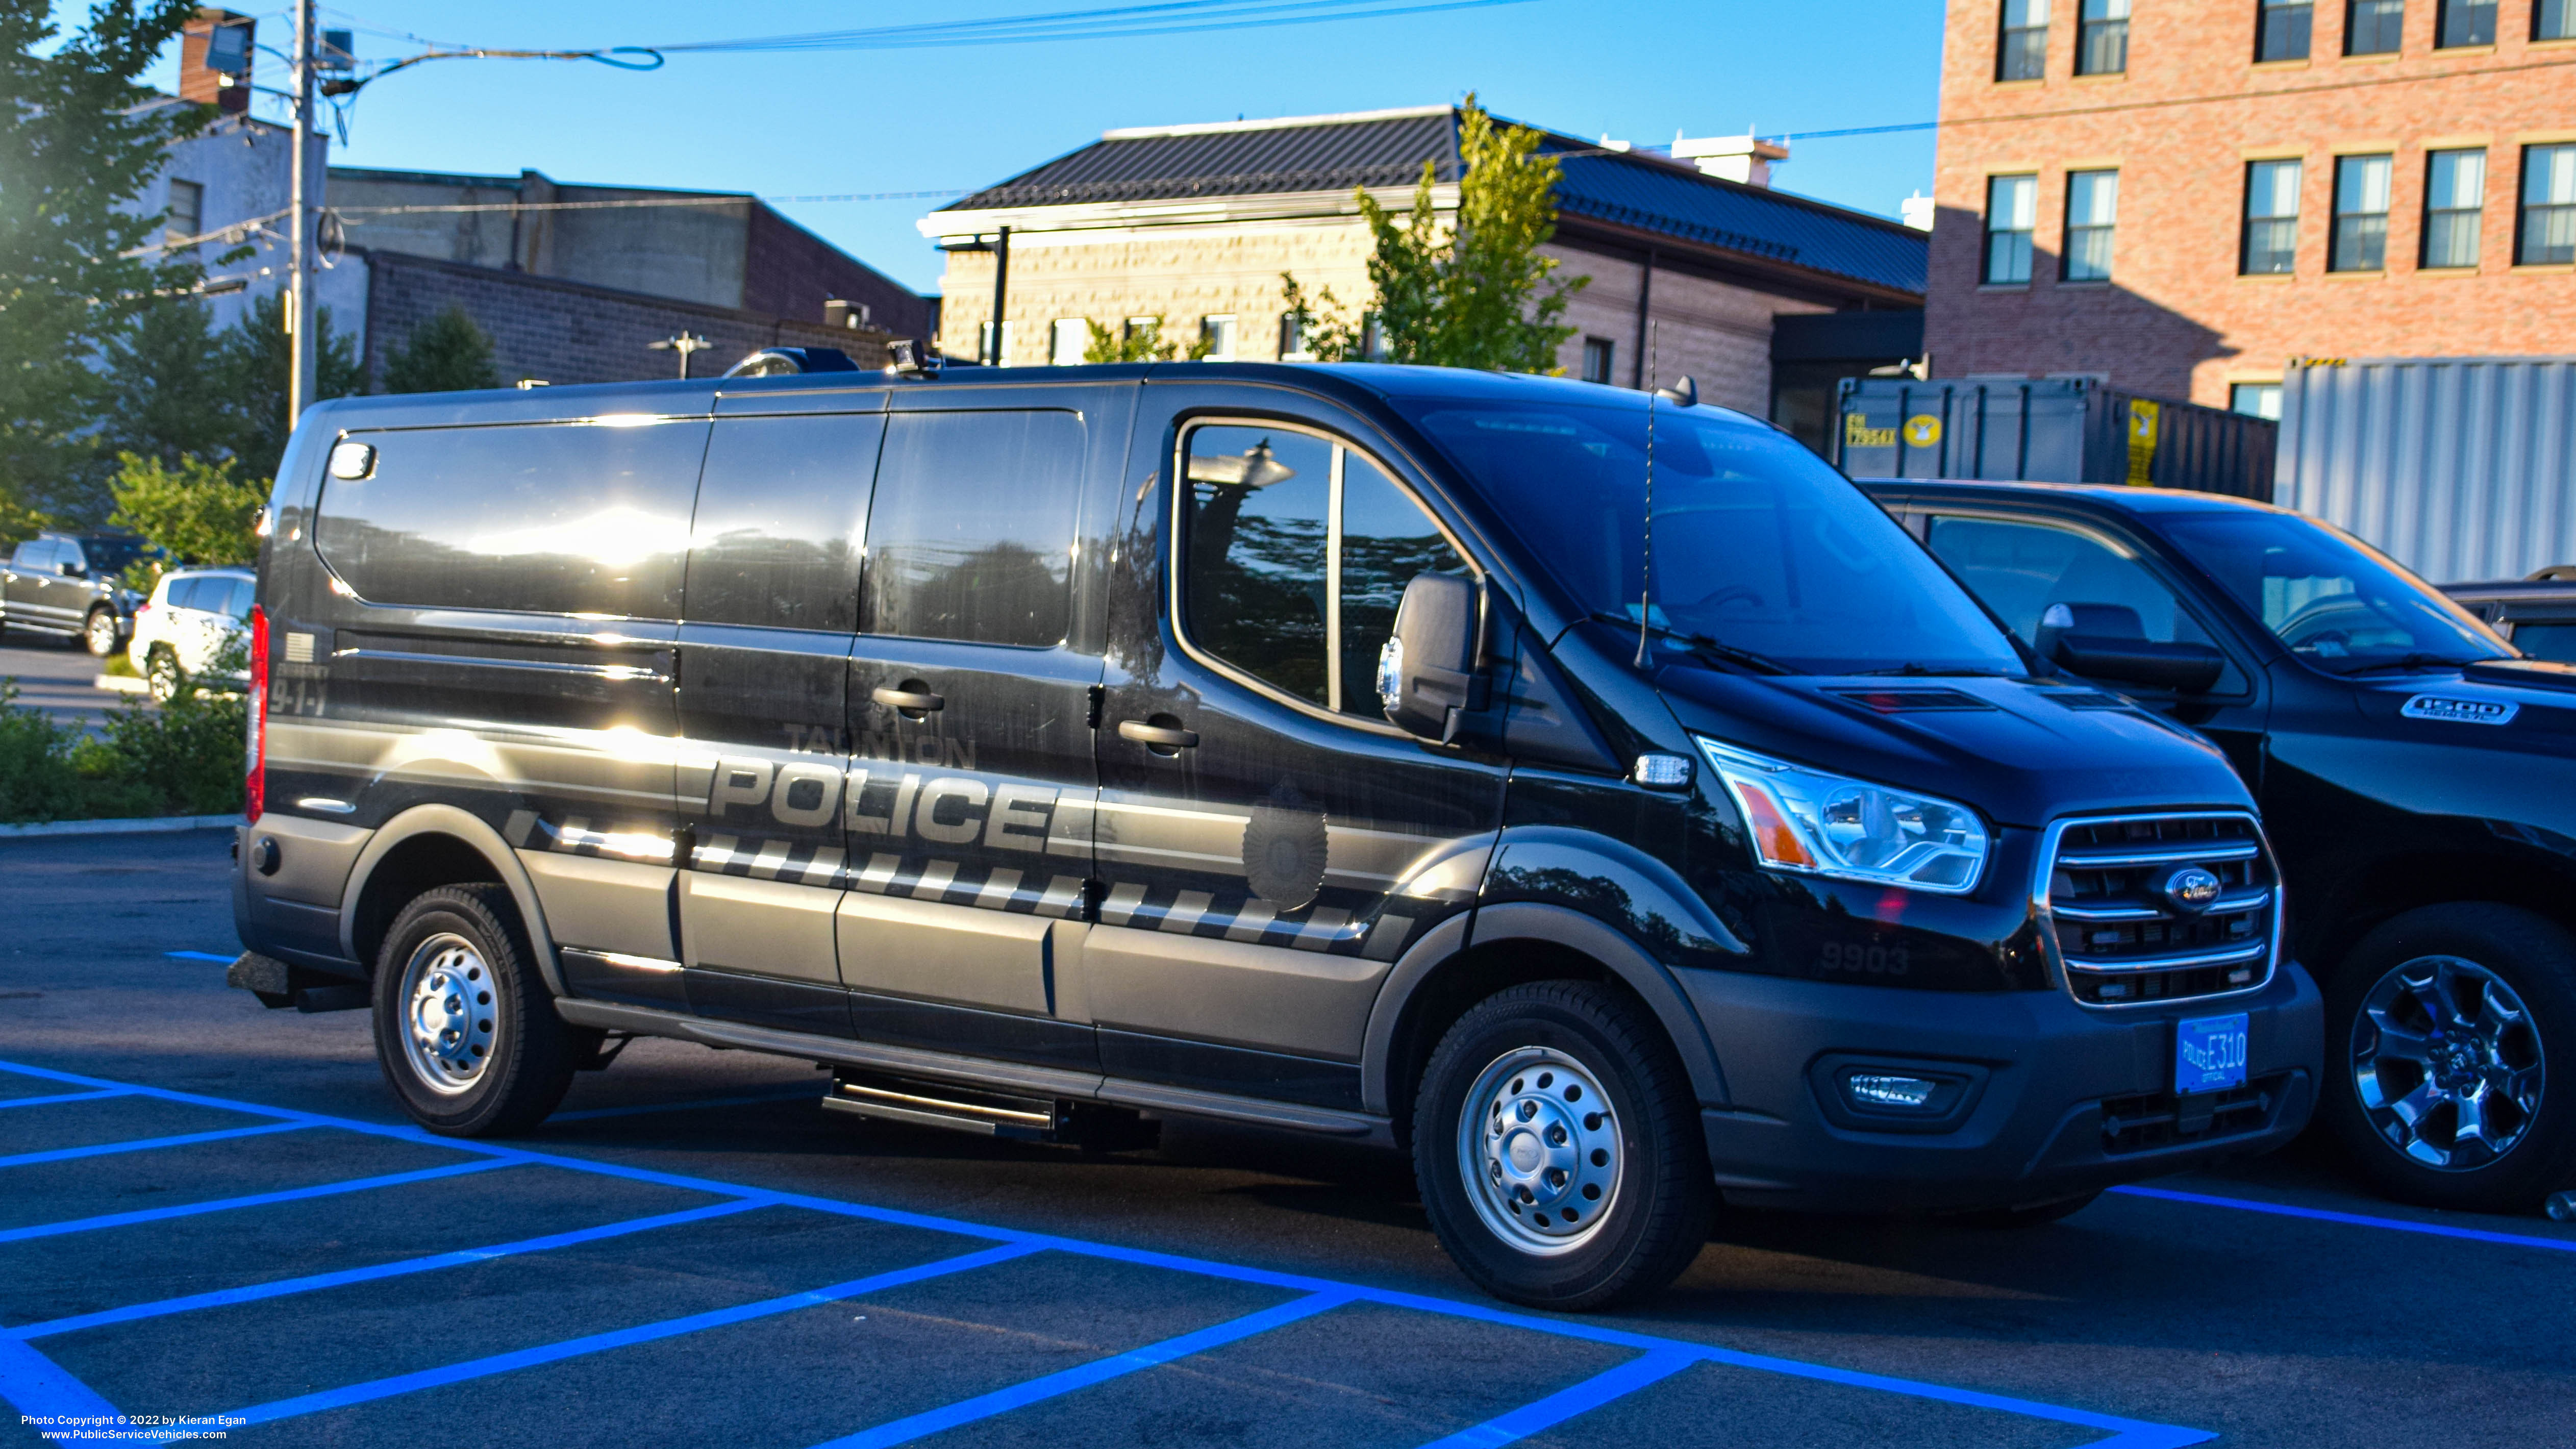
(2532, 959)
(1520, 1057)
(452, 955)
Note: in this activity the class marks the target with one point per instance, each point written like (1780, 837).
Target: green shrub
(183, 758)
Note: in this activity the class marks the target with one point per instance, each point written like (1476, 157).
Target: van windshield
(2329, 600)
(1758, 545)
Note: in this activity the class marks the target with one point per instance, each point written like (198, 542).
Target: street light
(683, 344)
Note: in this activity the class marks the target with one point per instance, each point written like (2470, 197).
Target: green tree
(251, 360)
(199, 512)
(1474, 294)
(447, 353)
(80, 140)
(165, 390)
(1140, 343)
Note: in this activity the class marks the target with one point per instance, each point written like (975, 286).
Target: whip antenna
(1646, 569)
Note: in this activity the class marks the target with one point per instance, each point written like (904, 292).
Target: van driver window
(1264, 507)
(971, 534)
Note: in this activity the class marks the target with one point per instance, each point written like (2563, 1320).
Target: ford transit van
(1387, 753)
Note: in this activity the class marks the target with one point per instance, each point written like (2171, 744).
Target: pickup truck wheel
(2456, 1028)
(1558, 1149)
(465, 1029)
(100, 632)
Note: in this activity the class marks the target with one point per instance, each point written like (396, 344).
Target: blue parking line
(2358, 1220)
(593, 1114)
(500, 1363)
(67, 1154)
(257, 1199)
(2126, 1433)
(283, 1287)
(38, 1387)
(201, 956)
(60, 1097)
(1003, 1401)
(1569, 1403)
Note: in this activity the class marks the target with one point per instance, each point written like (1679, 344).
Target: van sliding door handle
(1157, 737)
(917, 701)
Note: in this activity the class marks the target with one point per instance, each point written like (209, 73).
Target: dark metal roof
(1635, 190)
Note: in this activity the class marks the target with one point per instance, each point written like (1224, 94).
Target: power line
(1170, 18)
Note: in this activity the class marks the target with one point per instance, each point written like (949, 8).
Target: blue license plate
(2209, 1054)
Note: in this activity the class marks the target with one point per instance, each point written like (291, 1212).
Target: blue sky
(879, 121)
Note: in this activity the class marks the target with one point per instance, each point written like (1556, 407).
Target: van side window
(544, 518)
(971, 534)
(1263, 588)
(782, 514)
(2022, 569)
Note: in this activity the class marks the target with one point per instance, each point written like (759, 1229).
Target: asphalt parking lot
(212, 1210)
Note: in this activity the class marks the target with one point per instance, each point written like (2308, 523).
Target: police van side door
(971, 778)
(766, 626)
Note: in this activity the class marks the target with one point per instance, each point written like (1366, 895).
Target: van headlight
(1831, 825)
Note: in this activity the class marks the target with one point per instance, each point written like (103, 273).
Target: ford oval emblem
(2192, 889)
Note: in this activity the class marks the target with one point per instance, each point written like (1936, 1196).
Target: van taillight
(255, 763)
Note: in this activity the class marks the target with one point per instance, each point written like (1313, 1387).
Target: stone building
(2183, 198)
(1189, 228)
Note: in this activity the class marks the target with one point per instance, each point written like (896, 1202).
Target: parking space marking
(595, 1113)
(386, 1388)
(256, 1199)
(22, 1367)
(146, 1144)
(1572, 1402)
(61, 1097)
(1098, 1371)
(2358, 1220)
(200, 956)
(41, 1389)
(251, 1293)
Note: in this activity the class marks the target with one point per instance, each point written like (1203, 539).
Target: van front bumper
(2050, 1099)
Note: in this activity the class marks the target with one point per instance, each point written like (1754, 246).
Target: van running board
(1095, 1126)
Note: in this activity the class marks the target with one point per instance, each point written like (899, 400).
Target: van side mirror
(1426, 674)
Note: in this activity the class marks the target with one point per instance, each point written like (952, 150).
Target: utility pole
(1001, 288)
(300, 270)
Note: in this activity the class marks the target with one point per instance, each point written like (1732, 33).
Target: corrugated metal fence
(2460, 467)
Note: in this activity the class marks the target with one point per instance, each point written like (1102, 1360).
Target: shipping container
(2461, 468)
(2052, 430)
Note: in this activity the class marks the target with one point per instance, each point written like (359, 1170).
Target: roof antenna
(1646, 568)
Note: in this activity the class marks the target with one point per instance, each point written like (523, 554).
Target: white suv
(191, 616)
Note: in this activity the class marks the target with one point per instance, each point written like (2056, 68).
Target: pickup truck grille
(2122, 935)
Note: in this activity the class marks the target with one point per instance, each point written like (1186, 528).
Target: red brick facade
(2181, 126)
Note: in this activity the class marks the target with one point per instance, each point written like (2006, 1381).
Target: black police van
(1052, 752)
(2418, 779)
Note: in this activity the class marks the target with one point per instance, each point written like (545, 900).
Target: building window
(2373, 27)
(2092, 210)
(2554, 20)
(1217, 333)
(2271, 218)
(2547, 233)
(2024, 55)
(1292, 338)
(1070, 339)
(2455, 191)
(2281, 29)
(2466, 22)
(985, 350)
(2102, 38)
(187, 215)
(2255, 399)
(2012, 206)
(1598, 355)
(2360, 215)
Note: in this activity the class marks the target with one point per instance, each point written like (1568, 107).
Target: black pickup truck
(2416, 772)
(70, 585)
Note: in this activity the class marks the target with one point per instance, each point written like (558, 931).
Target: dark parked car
(2538, 613)
(71, 585)
(2416, 774)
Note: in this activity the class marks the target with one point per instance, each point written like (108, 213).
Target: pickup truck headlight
(1831, 825)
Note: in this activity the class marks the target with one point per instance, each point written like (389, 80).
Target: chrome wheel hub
(450, 1016)
(1538, 1147)
(2447, 1063)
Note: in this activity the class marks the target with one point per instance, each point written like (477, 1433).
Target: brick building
(1188, 228)
(2184, 198)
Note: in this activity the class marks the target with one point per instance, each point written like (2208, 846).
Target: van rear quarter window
(543, 518)
(971, 535)
(781, 514)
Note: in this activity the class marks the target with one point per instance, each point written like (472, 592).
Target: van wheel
(100, 633)
(465, 1029)
(161, 674)
(2456, 1027)
(1558, 1149)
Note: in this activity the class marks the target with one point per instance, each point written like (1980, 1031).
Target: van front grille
(2124, 920)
